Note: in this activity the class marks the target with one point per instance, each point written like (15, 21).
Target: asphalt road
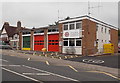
(22, 69)
(108, 60)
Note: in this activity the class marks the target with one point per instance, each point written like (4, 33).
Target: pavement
(55, 69)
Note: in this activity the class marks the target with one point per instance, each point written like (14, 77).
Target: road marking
(28, 59)
(105, 74)
(52, 57)
(60, 58)
(73, 68)
(66, 57)
(51, 73)
(93, 61)
(20, 74)
(12, 55)
(35, 74)
(11, 65)
(4, 60)
(45, 55)
(47, 62)
(71, 56)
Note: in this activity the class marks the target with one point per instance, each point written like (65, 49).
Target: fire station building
(80, 35)
(86, 35)
(38, 38)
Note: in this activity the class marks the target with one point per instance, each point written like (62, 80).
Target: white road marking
(28, 59)
(35, 74)
(51, 73)
(12, 65)
(4, 60)
(20, 74)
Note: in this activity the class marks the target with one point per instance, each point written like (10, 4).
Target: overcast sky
(37, 14)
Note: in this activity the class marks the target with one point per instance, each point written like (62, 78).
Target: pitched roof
(11, 30)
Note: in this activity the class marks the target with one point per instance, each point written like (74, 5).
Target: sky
(39, 14)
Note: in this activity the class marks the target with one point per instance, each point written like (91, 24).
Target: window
(97, 27)
(78, 42)
(102, 29)
(71, 42)
(65, 27)
(78, 25)
(105, 30)
(65, 42)
(102, 40)
(109, 31)
(72, 26)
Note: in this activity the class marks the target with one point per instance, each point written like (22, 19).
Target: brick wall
(60, 37)
(20, 40)
(45, 38)
(114, 39)
(31, 39)
(89, 37)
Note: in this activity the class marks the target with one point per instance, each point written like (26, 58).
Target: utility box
(108, 48)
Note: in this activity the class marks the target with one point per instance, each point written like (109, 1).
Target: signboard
(72, 33)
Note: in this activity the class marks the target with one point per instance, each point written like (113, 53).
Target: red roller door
(38, 42)
(53, 42)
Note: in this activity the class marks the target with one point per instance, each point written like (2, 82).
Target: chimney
(18, 24)
(6, 23)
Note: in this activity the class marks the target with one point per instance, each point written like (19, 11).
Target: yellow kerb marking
(60, 58)
(66, 57)
(72, 68)
(47, 62)
(106, 74)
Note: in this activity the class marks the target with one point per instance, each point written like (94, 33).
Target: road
(109, 60)
(22, 69)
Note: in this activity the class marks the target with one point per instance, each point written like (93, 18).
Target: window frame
(67, 27)
(80, 25)
(76, 42)
(67, 41)
(72, 24)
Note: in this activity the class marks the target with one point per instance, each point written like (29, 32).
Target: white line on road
(20, 74)
(51, 73)
(12, 65)
(35, 74)
(4, 60)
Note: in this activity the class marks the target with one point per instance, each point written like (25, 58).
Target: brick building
(10, 34)
(38, 38)
(86, 35)
(80, 35)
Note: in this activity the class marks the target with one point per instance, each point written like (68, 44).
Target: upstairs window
(105, 30)
(53, 30)
(72, 26)
(102, 29)
(65, 27)
(78, 26)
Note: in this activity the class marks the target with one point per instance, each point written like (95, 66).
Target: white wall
(102, 36)
(78, 50)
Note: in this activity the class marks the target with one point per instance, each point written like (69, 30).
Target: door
(38, 42)
(53, 42)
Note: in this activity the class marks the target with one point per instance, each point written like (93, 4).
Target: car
(5, 45)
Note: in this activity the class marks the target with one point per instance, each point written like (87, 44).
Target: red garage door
(53, 42)
(38, 42)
